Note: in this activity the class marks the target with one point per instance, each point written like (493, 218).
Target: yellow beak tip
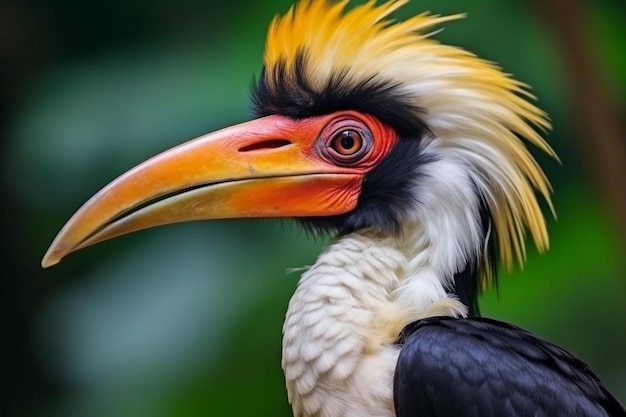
(50, 259)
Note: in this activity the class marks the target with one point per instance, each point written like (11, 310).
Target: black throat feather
(467, 283)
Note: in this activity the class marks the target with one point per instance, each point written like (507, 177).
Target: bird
(414, 155)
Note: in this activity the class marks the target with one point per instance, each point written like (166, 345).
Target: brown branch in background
(601, 134)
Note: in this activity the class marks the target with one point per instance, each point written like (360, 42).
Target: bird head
(363, 123)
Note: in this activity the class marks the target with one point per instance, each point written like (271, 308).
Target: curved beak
(268, 167)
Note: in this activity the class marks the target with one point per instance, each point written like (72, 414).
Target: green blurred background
(186, 320)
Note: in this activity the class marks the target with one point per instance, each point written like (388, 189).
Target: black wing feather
(479, 367)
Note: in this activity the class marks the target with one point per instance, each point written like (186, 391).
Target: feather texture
(498, 370)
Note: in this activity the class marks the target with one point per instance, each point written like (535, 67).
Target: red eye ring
(347, 142)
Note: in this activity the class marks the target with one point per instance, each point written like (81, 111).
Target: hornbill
(414, 154)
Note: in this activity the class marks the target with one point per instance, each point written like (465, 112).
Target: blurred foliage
(186, 320)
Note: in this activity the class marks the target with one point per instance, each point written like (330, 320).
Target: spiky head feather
(318, 54)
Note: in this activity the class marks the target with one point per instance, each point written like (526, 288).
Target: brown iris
(347, 142)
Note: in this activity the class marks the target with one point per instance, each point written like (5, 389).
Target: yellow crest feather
(470, 102)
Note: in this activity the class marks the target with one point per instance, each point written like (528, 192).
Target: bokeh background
(186, 320)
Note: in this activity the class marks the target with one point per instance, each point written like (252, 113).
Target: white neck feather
(339, 354)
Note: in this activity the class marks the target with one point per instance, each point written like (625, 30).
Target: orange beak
(269, 167)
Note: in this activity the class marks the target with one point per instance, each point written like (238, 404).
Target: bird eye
(347, 142)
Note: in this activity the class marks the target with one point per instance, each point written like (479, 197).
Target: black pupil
(347, 140)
